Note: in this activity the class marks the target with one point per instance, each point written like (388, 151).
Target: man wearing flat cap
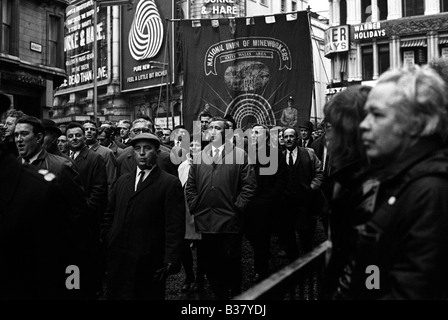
(144, 226)
(289, 116)
(306, 130)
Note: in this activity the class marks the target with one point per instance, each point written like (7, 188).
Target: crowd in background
(127, 202)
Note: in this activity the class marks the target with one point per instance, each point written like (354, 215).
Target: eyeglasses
(140, 130)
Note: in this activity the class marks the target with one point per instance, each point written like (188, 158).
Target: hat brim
(56, 130)
(135, 140)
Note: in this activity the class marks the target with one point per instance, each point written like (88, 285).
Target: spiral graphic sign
(146, 33)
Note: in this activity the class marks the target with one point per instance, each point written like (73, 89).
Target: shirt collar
(33, 157)
(147, 171)
(221, 147)
(294, 151)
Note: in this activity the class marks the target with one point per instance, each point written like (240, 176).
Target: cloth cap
(146, 136)
(307, 125)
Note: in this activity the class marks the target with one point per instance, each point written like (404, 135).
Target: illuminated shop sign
(336, 40)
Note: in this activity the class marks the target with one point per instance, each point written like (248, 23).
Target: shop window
(413, 8)
(413, 56)
(383, 58)
(443, 5)
(367, 63)
(343, 12)
(366, 10)
(6, 32)
(444, 52)
(55, 48)
(422, 56)
(382, 9)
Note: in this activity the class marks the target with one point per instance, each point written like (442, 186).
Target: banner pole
(95, 67)
(313, 86)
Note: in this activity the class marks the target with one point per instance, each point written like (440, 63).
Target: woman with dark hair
(344, 112)
(349, 175)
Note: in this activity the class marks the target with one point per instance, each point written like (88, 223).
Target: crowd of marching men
(109, 211)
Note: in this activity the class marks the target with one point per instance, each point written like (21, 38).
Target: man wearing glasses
(126, 161)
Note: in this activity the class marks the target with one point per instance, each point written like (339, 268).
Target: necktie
(291, 160)
(27, 161)
(216, 156)
(140, 180)
(72, 155)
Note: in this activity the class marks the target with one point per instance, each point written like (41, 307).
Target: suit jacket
(109, 161)
(143, 229)
(303, 181)
(310, 142)
(328, 184)
(93, 175)
(117, 150)
(318, 146)
(218, 193)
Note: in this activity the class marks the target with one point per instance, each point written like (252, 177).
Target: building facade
(32, 53)
(367, 37)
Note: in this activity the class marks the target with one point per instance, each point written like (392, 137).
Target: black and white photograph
(219, 158)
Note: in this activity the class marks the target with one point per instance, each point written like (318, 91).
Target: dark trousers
(131, 277)
(296, 220)
(258, 229)
(187, 261)
(305, 227)
(222, 255)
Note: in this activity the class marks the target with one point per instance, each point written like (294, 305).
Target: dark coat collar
(421, 150)
(153, 176)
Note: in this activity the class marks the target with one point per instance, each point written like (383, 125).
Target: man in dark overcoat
(35, 238)
(144, 226)
(92, 171)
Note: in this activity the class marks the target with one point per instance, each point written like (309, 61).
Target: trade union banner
(144, 48)
(247, 67)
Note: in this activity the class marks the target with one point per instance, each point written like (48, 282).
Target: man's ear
(158, 151)
(40, 138)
